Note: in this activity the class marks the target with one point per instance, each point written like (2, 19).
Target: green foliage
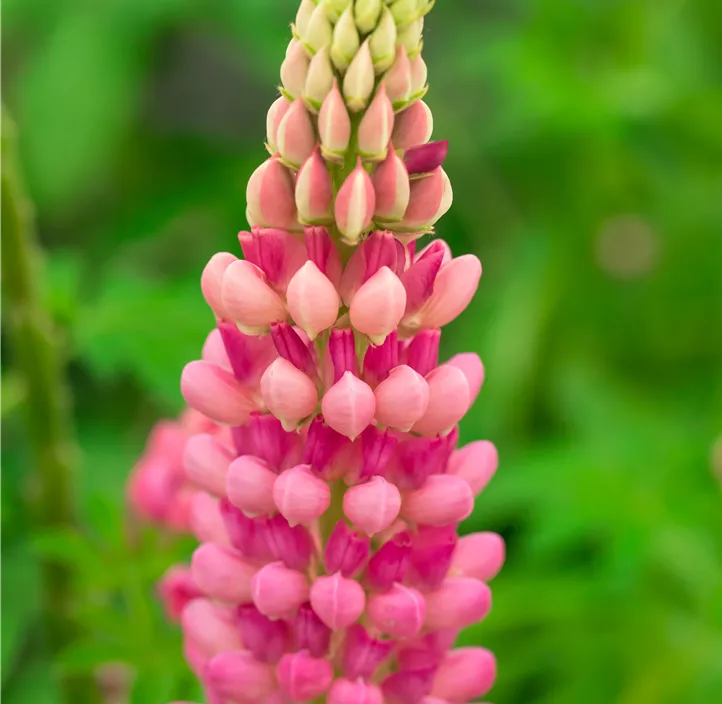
(585, 152)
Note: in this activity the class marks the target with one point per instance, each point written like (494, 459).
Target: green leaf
(20, 602)
(75, 101)
(147, 329)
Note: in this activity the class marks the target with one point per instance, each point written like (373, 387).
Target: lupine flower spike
(321, 474)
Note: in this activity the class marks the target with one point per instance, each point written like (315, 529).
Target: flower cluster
(330, 568)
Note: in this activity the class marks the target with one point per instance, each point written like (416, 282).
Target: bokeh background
(586, 158)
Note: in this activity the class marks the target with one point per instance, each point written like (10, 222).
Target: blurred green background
(586, 158)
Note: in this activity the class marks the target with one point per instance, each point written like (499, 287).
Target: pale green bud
(425, 6)
(346, 40)
(319, 31)
(335, 8)
(366, 14)
(303, 16)
(358, 83)
(293, 70)
(419, 74)
(319, 80)
(405, 11)
(383, 42)
(410, 37)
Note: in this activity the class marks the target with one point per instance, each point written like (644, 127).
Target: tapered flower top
(327, 489)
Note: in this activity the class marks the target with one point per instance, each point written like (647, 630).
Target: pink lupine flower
(322, 477)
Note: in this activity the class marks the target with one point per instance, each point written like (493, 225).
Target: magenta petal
(291, 347)
(342, 349)
(426, 157)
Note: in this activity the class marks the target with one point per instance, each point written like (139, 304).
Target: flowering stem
(35, 353)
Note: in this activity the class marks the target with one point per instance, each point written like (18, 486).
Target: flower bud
(312, 300)
(448, 401)
(410, 37)
(443, 499)
(304, 15)
(278, 591)
(430, 198)
(310, 633)
(300, 676)
(300, 496)
(210, 625)
(398, 80)
(334, 125)
(237, 675)
(318, 32)
(404, 11)
(382, 42)
(378, 305)
(337, 600)
(413, 126)
(432, 554)
(349, 405)
(419, 74)
(206, 462)
(321, 250)
(249, 486)
(372, 506)
(375, 128)
(400, 612)
(390, 180)
(402, 399)
(471, 365)
(207, 523)
(269, 193)
(465, 674)
(476, 463)
(390, 562)
(362, 655)
(268, 640)
(292, 348)
(176, 588)
(335, 8)
(347, 692)
(366, 14)
(211, 281)
(319, 80)
(248, 299)
(221, 574)
(358, 83)
(425, 158)
(296, 137)
(275, 114)
(293, 70)
(216, 393)
(406, 686)
(346, 551)
(380, 359)
(288, 393)
(454, 288)
(346, 40)
(457, 603)
(355, 204)
(478, 555)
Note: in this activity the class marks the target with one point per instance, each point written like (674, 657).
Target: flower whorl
(330, 564)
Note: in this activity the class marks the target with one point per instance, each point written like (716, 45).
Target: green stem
(334, 513)
(35, 354)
